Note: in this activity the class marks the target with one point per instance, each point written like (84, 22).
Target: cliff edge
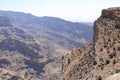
(101, 59)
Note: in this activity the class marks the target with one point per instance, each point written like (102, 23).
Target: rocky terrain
(19, 53)
(114, 77)
(23, 56)
(101, 59)
(52, 30)
(31, 47)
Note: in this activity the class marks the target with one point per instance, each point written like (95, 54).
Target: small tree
(114, 62)
(107, 61)
(99, 77)
(117, 70)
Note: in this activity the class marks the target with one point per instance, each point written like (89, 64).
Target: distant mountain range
(88, 23)
(58, 31)
(31, 47)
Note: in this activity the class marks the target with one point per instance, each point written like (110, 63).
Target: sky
(71, 10)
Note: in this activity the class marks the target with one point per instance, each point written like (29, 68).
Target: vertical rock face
(96, 32)
(99, 60)
(76, 63)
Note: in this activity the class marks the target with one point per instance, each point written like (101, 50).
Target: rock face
(99, 60)
(76, 63)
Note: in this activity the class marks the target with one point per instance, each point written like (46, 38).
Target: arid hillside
(31, 47)
(101, 59)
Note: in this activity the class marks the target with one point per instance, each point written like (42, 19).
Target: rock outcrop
(76, 63)
(101, 59)
(114, 77)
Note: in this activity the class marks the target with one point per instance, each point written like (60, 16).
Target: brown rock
(101, 59)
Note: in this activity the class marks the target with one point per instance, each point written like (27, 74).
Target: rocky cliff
(101, 59)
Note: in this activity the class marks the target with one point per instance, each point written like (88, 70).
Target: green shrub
(113, 49)
(114, 62)
(101, 49)
(107, 61)
(112, 55)
(117, 70)
(99, 78)
(118, 36)
(101, 60)
(109, 40)
(95, 63)
(118, 48)
(108, 51)
(102, 67)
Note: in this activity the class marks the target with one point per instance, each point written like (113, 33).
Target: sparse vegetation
(118, 48)
(95, 63)
(114, 49)
(117, 70)
(105, 46)
(101, 60)
(99, 78)
(107, 61)
(108, 51)
(101, 49)
(102, 67)
(109, 40)
(114, 62)
(97, 60)
(118, 36)
(112, 55)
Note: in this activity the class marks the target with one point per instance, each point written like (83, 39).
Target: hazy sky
(73, 10)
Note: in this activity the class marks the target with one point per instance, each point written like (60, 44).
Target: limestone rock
(114, 77)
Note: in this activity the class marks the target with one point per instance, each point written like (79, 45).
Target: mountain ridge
(52, 26)
(32, 47)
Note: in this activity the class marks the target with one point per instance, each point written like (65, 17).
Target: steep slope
(101, 59)
(77, 64)
(51, 29)
(23, 56)
(54, 35)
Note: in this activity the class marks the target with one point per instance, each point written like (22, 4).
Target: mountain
(88, 23)
(51, 29)
(4, 21)
(101, 59)
(31, 47)
(21, 55)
